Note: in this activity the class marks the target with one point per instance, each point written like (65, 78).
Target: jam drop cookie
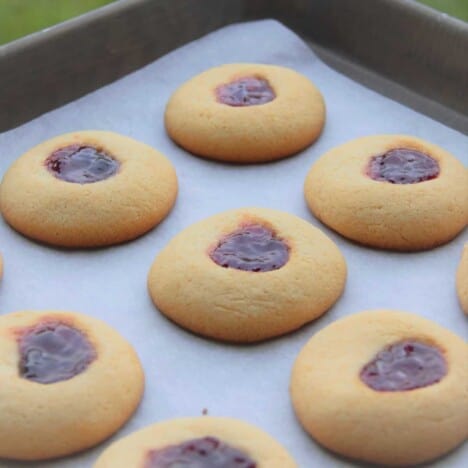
(88, 189)
(385, 387)
(205, 441)
(390, 191)
(462, 280)
(246, 113)
(247, 275)
(69, 381)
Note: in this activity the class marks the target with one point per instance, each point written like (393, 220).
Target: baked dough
(397, 216)
(121, 207)
(462, 280)
(197, 121)
(132, 451)
(230, 304)
(385, 427)
(47, 420)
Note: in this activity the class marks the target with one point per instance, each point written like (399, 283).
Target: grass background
(457, 8)
(21, 17)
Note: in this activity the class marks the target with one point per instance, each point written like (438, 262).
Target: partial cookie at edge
(257, 444)
(462, 280)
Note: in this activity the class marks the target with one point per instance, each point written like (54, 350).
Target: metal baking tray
(399, 48)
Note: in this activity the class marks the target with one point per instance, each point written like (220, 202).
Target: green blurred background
(21, 17)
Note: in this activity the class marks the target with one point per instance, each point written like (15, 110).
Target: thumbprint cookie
(88, 189)
(206, 441)
(390, 191)
(247, 275)
(69, 381)
(385, 387)
(246, 113)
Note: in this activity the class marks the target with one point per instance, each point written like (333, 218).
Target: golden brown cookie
(247, 275)
(383, 386)
(88, 189)
(462, 280)
(197, 442)
(69, 381)
(246, 113)
(390, 191)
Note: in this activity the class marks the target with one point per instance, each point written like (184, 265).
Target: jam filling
(53, 351)
(403, 166)
(207, 452)
(404, 366)
(251, 248)
(81, 164)
(248, 91)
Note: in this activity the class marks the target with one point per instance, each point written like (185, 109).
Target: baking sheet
(184, 373)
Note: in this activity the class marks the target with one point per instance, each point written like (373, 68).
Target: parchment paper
(185, 373)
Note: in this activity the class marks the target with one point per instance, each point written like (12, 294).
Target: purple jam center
(207, 452)
(403, 166)
(251, 248)
(248, 91)
(404, 366)
(81, 164)
(52, 351)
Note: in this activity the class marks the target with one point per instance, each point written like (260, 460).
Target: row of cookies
(361, 386)
(148, 182)
(96, 188)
